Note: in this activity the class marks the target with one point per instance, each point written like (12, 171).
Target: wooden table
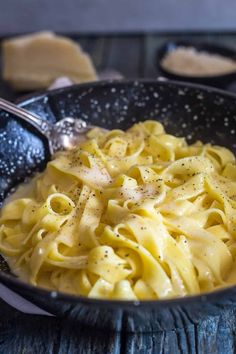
(133, 56)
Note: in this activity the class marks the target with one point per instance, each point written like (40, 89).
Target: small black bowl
(185, 110)
(221, 81)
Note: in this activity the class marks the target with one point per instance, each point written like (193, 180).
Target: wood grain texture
(96, 47)
(20, 333)
(112, 15)
(125, 55)
(27, 334)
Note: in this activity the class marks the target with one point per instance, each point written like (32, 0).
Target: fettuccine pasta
(127, 215)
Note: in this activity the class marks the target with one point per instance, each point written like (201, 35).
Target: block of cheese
(34, 61)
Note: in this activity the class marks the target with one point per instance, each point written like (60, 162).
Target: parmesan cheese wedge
(34, 61)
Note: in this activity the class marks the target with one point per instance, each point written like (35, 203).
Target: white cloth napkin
(19, 303)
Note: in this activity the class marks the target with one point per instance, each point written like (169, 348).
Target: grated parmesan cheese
(189, 61)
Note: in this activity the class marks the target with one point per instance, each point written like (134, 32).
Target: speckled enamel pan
(186, 110)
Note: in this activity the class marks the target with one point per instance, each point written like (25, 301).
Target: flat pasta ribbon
(127, 215)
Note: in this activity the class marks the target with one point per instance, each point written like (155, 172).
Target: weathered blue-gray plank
(27, 334)
(116, 16)
(124, 54)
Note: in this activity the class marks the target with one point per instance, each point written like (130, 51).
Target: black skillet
(221, 81)
(186, 110)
